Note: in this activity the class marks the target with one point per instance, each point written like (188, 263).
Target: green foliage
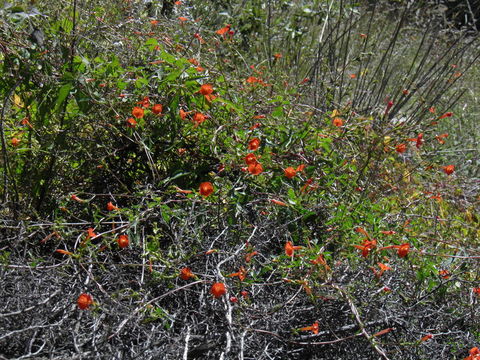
(141, 119)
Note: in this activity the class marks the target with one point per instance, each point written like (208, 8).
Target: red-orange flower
(15, 142)
(476, 291)
(145, 102)
(84, 301)
(90, 233)
(278, 202)
(290, 172)
(255, 169)
(389, 106)
(426, 337)
(440, 138)
(198, 118)
(131, 122)
(337, 122)
(138, 112)
(206, 188)
(157, 109)
(241, 274)
(193, 61)
(447, 114)
(401, 148)
(418, 140)
(76, 198)
(250, 159)
(249, 256)
(123, 241)
(182, 18)
(183, 114)
(382, 267)
(449, 169)
(403, 249)
(186, 273)
(254, 144)
(218, 290)
(64, 252)
(474, 354)
(223, 30)
(290, 249)
(313, 328)
(207, 91)
(111, 207)
(367, 246)
(300, 168)
(445, 274)
(199, 38)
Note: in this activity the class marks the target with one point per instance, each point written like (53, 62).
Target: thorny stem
(355, 312)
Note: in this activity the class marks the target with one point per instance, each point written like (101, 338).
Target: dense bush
(248, 179)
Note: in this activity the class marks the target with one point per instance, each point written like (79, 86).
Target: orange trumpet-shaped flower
(64, 252)
(401, 148)
(418, 140)
(186, 273)
(145, 102)
(382, 332)
(199, 38)
(338, 122)
(254, 144)
(426, 337)
(123, 241)
(15, 142)
(382, 267)
(474, 354)
(90, 233)
(206, 89)
(290, 172)
(206, 188)
(403, 249)
(250, 159)
(76, 198)
(183, 114)
(111, 207)
(367, 246)
(255, 169)
(138, 112)
(440, 138)
(241, 274)
(157, 109)
(218, 290)
(131, 122)
(449, 169)
(223, 30)
(84, 301)
(198, 118)
(290, 249)
(445, 274)
(447, 114)
(320, 260)
(300, 168)
(249, 256)
(313, 328)
(278, 202)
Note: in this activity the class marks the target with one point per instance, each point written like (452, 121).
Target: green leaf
(63, 92)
